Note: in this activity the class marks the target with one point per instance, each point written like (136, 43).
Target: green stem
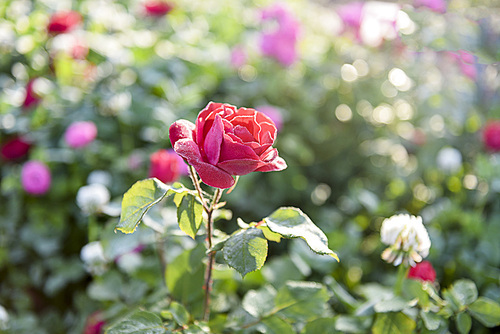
(402, 273)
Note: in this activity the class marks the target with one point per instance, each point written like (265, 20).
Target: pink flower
(466, 62)
(238, 57)
(422, 271)
(80, 134)
(491, 136)
(31, 99)
(351, 15)
(183, 167)
(157, 7)
(438, 6)
(227, 141)
(165, 166)
(14, 149)
(280, 44)
(35, 177)
(95, 324)
(64, 21)
(274, 114)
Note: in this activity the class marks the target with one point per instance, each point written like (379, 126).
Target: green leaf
(184, 275)
(302, 300)
(246, 250)
(139, 199)
(291, 222)
(189, 214)
(179, 313)
(393, 323)
(276, 325)
(268, 234)
(320, 325)
(431, 320)
(486, 311)
(139, 322)
(391, 305)
(260, 302)
(464, 291)
(463, 322)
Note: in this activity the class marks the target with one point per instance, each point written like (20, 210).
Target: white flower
(100, 176)
(449, 159)
(92, 198)
(92, 254)
(407, 239)
(4, 318)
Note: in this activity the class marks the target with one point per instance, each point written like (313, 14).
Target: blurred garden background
(381, 108)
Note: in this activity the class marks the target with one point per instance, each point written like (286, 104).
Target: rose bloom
(407, 239)
(95, 324)
(31, 99)
(14, 149)
(80, 134)
(422, 271)
(35, 177)
(491, 135)
(274, 114)
(438, 6)
(165, 166)
(157, 7)
(64, 21)
(227, 141)
(280, 44)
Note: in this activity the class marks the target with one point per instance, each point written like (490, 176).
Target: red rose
(422, 271)
(63, 21)
(165, 166)
(227, 141)
(157, 7)
(14, 149)
(491, 136)
(31, 98)
(95, 324)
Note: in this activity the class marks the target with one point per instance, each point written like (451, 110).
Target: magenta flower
(63, 22)
(466, 62)
(422, 271)
(80, 134)
(31, 98)
(238, 57)
(165, 166)
(280, 44)
(274, 114)
(35, 177)
(14, 149)
(227, 141)
(438, 6)
(95, 324)
(491, 136)
(157, 7)
(351, 15)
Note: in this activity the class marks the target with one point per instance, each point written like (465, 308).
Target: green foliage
(246, 250)
(395, 322)
(189, 213)
(486, 311)
(138, 322)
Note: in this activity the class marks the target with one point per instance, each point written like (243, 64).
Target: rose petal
(182, 129)
(213, 140)
(243, 134)
(240, 166)
(273, 166)
(231, 150)
(209, 174)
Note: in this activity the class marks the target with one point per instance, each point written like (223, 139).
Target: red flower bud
(491, 136)
(423, 271)
(14, 149)
(157, 7)
(64, 21)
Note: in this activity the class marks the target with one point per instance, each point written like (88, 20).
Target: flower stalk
(402, 273)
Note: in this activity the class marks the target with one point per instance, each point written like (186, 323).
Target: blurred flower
(183, 166)
(274, 114)
(31, 99)
(129, 262)
(71, 44)
(407, 238)
(100, 176)
(4, 318)
(92, 198)
(64, 21)
(280, 44)
(157, 7)
(165, 166)
(449, 159)
(466, 62)
(35, 177)
(238, 57)
(95, 324)
(92, 254)
(80, 134)
(438, 6)
(351, 15)
(14, 149)
(422, 271)
(491, 136)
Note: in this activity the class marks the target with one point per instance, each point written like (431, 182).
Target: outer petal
(231, 150)
(272, 161)
(213, 140)
(209, 174)
(182, 129)
(240, 166)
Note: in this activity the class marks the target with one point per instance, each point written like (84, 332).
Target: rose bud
(157, 7)
(80, 134)
(165, 166)
(422, 271)
(35, 177)
(491, 136)
(64, 21)
(14, 149)
(225, 142)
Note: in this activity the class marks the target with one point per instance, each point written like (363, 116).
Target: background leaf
(293, 223)
(189, 214)
(140, 322)
(486, 311)
(463, 322)
(246, 250)
(302, 300)
(393, 323)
